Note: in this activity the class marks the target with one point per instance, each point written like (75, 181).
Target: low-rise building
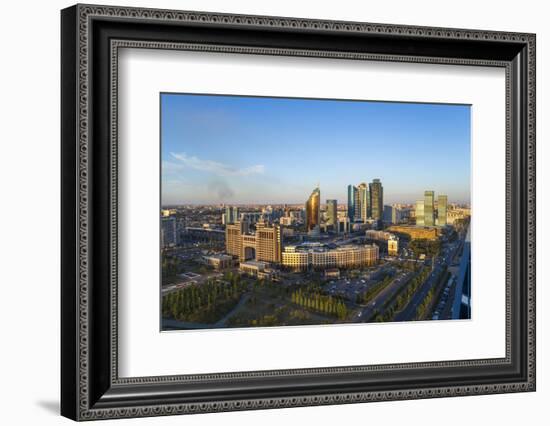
(219, 261)
(332, 273)
(320, 257)
(258, 269)
(416, 232)
(393, 246)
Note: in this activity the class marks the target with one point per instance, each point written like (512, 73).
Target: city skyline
(246, 150)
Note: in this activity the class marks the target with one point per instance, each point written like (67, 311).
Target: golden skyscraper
(313, 210)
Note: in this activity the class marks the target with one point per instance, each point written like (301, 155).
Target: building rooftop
(219, 256)
(320, 248)
(256, 263)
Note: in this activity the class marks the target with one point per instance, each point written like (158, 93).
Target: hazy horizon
(249, 150)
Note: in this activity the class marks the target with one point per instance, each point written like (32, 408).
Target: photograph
(292, 211)
(266, 208)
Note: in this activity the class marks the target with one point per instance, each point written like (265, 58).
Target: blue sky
(234, 149)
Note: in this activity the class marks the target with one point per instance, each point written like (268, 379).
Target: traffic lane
(409, 312)
(380, 298)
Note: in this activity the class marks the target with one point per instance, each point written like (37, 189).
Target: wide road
(379, 300)
(441, 262)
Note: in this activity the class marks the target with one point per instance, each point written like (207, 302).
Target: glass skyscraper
(442, 210)
(428, 208)
(313, 210)
(332, 213)
(231, 215)
(376, 199)
(352, 194)
(363, 202)
(419, 213)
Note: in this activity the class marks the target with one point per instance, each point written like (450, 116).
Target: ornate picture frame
(91, 37)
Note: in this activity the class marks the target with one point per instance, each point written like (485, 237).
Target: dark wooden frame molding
(90, 38)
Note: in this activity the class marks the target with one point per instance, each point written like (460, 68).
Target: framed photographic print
(263, 212)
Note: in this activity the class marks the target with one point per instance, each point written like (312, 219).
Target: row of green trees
(321, 303)
(399, 301)
(423, 308)
(426, 308)
(205, 302)
(170, 268)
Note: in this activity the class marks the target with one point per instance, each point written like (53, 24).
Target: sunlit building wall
(231, 214)
(263, 245)
(233, 238)
(442, 210)
(393, 246)
(304, 258)
(332, 213)
(362, 202)
(313, 211)
(419, 213)
(457, 214)
(428, 208)
(268, 243)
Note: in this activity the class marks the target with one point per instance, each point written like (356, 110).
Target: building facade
(393, 246)
(352, 198)
(332, 213)
(442, 210)
(258, 269)
(233, 238)
(344, 225)
(231, 215)
(313, 211)
(429, 208)
(419, 213)
(319, 257)
(168, 235)
(363, 203)
(457, 214)
(415, 233)
(268, 243)
(376, 199)
(219, 261)
(263, 245)
(389, 214)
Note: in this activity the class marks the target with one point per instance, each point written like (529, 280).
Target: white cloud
(171, 167)
(215, 167)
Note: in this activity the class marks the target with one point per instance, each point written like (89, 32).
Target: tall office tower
(397, 215)
(313, 211)
(376, 199)
(168, 235)
(419, 213)
(332, 213)
(233, 240)
(388, 215)
(442, 210)
(357, 203)
(363, 202)
(268, 243)
(352, 191)
(428, 208)
(231, 215)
